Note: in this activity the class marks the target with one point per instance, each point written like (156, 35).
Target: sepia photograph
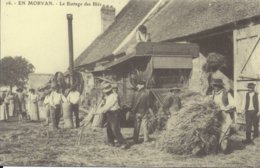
(129, 83)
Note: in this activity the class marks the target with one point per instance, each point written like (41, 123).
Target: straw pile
(194, 129)
(215, 61)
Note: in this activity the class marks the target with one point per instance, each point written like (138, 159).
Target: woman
(33, 103)
(3, 110)
(10, 100)
(46, 104)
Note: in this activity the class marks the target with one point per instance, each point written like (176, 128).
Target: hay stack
(194, 129)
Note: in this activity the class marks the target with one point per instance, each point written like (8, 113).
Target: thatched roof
(124, 23)
(180, 18)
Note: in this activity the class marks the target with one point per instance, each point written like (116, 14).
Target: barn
(230, 28)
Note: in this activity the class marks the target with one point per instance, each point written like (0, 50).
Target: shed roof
(178, 18)
(125, 22)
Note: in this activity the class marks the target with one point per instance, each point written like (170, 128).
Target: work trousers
(252, 121)
(55, 116)
(113, 128)
(75, 110)
(141, 122)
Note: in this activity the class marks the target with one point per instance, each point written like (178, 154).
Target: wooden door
(246, 63)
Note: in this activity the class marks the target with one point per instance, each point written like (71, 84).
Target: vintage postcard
(130, 83)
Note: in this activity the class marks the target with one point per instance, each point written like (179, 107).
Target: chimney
(108, 14)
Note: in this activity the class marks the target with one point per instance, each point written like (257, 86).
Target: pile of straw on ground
(194, 129)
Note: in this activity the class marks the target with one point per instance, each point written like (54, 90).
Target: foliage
(14, 71)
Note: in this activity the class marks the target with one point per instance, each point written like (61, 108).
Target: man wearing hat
(227, 105)
(251, 105)
(171, 104)
(74, 98)
(55, 101)
(20, 96)
(111, 109)
(141, 107)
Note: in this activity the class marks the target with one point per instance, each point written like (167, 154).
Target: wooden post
(70, 35)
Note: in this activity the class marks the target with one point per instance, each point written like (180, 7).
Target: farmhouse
(230, 28)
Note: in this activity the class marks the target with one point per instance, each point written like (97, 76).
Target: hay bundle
(194, 129)
(215, 61)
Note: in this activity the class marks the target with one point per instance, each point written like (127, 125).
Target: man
(251, 105)
(141, 108)
(74, 98)
(56, 99)
(111, 109)
(227, 104)
(142, 35)
(21, 104)
(171, 104)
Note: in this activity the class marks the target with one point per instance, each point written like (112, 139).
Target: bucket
(67, 115)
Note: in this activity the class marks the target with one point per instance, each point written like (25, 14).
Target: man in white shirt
(142, 35)
(74, 98)
(251, 105)
(111, 109)
(55, 101)
(227, 105)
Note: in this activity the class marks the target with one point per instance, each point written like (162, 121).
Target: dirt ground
(30, 144)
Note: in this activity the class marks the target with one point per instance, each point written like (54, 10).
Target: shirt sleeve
(78, 97)
(46, 100)
(63, 98)
(110, 102)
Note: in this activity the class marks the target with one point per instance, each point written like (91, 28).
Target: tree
(14, 71)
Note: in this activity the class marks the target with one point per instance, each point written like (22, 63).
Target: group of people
(227, 105)
(111, 108)
(53, 101)
(26, 106)
(142, 106)
(12, 104)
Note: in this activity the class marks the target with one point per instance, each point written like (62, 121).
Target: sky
(40, 32)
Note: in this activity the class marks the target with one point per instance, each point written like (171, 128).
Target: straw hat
(106, 87)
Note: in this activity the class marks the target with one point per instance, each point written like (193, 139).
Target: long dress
(3, 111)
(34, 109)
(11, 105)
(46, 108)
